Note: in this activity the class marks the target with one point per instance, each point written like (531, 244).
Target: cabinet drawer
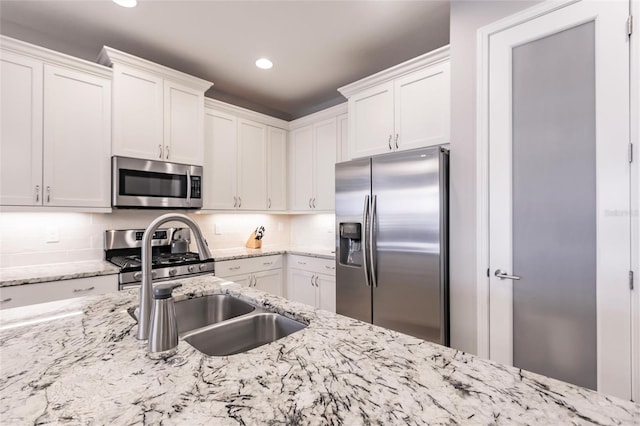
(30, 294)
(312, 264)
(228, 268)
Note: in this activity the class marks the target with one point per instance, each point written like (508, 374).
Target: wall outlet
(52, 234)
(218, 229)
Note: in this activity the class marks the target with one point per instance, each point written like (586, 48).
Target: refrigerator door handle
(365, 218)
(372, 260)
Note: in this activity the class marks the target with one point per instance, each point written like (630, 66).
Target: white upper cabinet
(276, 169)
(301, 168)
(325, 144)
(157, 111)
(342, 154)
(56, 129)
(220, 192)
(77, 134)
(401, 108)
(20, 130)
(252, 165)
(245, 162)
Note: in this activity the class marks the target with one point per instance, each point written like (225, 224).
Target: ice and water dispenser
(351, 244)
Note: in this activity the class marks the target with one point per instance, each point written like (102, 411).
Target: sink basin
(203, 311)
(206, 310)
(243, 334)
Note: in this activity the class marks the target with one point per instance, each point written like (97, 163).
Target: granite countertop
(86, 367)
(243, 252)
(55, 272)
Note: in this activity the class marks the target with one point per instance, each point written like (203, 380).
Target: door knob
(504, 276)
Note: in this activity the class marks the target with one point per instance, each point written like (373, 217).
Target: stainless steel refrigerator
(391, 242)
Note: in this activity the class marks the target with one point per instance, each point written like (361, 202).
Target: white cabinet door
(301, 167)
(326, 138)
(77, 138)
(243, 279)
(326, 292)
(20, 130)
(371, 121)
(220, 160)
(269, 281)
(138, 113)
(183, 111)
(342, 153)
(301, 287)
(276, 169)
(422, 108)
(252, 170)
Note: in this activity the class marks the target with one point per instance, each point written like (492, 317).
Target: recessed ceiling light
(126, 3)
(264, 63)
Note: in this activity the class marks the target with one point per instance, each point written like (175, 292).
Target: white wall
(466, 18)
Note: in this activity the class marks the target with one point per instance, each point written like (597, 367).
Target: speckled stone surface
(55, 272)
(243, 252)
(86, 367)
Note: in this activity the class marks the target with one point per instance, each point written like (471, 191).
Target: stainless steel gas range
(171, 257)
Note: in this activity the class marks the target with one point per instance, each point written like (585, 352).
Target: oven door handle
(188, 187)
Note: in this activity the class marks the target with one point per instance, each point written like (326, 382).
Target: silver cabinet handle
(48, 194)
(310, 203)
(235, 201)
(160, 151)
(267, 263)
(8, 299)
(312, 277)
(37, 193)
(317, 278)
(167, 153)
(314, 202)
(302, 263)
(239, 202)
(329, 267)
(389, 142)
(397, 141)
(269, 202)
(233, 268)
(82, 290)
(504, 276)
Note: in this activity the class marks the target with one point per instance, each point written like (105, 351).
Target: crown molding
(19, 47)
(324, 114)
(245, 113)
(435, 56)
(110, 56)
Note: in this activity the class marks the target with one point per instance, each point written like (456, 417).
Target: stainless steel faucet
(146, 289)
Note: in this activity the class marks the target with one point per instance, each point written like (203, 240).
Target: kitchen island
(77, 361)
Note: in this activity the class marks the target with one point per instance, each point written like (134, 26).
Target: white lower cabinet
(312, 281)
(30, 294)
(263, 273)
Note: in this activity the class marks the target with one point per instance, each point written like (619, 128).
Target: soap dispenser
(163, 335)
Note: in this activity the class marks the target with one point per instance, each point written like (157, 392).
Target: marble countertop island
(86, 367)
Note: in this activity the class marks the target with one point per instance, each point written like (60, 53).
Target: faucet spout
(146, 288)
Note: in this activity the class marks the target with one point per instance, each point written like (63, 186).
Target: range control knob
(191, 268)
(173, 272)
(137, 275)
(202, 267)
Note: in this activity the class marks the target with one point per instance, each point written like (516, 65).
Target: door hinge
(630, 152)
(629, 25)
(630, 280)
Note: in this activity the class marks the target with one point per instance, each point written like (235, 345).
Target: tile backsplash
(40, 238)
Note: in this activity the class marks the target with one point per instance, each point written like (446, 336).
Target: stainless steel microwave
(155, 184)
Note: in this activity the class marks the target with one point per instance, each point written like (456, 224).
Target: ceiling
(316, 46)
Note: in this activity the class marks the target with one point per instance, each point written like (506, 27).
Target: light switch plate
(53, 234)
(218, 229)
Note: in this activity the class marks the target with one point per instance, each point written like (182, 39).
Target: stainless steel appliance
(391, 248)
(155, 184)
(124, 249)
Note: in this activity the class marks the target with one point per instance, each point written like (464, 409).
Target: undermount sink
(202, 311)
(243, 334)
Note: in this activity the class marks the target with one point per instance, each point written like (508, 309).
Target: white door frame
(482, 174)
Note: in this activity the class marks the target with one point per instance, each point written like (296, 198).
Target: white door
(269, 281)
(77, 138)
(137, 113)
(183, 110)
(219, 184)
(301, 287)
(326, 285)
(20, 130)
(326, 141)
(371, 121)
(252, 165)
(301, 167)
(558, 190)
(422, 108)
(276, 169)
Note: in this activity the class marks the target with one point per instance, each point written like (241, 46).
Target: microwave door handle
(189, 187)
